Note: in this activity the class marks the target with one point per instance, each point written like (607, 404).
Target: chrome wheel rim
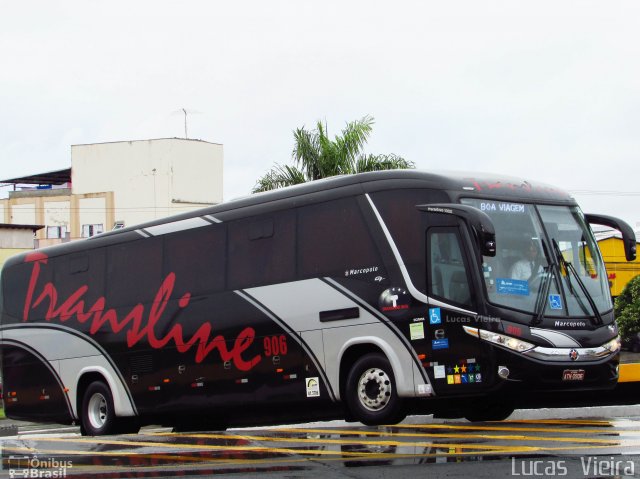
(374, 389)
(97, 410)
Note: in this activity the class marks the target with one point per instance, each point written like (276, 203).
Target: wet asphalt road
(594, 442)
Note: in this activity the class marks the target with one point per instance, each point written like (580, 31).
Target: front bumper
(529, 373)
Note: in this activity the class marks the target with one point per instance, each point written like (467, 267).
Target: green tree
(627, 310)
(317, 156)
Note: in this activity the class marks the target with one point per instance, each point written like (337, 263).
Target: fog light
(503, 372)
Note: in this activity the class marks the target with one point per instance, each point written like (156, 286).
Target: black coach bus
(373, 295)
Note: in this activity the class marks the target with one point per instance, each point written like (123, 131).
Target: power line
(605, 193)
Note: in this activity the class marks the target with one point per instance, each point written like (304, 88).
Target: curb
(8, 430)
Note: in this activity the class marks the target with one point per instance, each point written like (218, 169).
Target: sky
(543, 90)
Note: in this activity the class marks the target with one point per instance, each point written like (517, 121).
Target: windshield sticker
(417, 331)
(512, 286)
(502, 207)
(435, 316)
(439, 372)
(555, 301)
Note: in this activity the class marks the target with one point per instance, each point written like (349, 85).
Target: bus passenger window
(198, 258)
(134, 272)
(262, 250)
(447, 271)
(333, 238)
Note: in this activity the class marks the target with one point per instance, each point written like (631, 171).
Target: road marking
(506, 428)
(292, 445)
(465, 436)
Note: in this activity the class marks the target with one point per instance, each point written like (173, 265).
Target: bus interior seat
(459, 288)
(437, 286)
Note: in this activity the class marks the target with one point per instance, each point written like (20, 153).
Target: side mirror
(478, 221)
(628, 236)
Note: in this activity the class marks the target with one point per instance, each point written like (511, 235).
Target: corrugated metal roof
(57, 177)
(21, 227)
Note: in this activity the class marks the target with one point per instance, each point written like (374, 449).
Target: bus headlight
(614, 345)
(509, 342)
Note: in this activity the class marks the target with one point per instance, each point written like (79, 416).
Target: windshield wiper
(542, 294)
(544, 288)
(571, 271)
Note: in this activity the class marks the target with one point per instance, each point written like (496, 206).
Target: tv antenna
(185, 112)
(185, 123)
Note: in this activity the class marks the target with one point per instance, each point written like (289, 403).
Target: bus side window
(134, 272)
(85, 268)
(198, 259)
(262, 250)
(333, 238)
(447, 270)
(404, 221)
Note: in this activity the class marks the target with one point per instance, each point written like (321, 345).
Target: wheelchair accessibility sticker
(435, 317)
(555, 301)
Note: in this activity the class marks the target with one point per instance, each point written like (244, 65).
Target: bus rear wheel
(98, 416)
(370, 392)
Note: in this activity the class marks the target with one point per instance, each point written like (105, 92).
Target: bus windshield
(547, 262)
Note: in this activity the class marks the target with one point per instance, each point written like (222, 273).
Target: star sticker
(463, 368)
(456, 369)
(477, 367)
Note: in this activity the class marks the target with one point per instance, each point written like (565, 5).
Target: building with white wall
(118, 183)
(15, 239)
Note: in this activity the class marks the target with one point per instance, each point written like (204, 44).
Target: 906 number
(275, 345)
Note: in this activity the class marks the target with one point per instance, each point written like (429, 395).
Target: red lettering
(74, 306)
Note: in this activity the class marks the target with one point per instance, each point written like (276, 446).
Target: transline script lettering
(138, 324)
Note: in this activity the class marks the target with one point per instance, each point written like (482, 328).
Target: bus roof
(456, 184)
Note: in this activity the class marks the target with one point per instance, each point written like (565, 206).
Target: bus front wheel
(98, 415)
(370, 392)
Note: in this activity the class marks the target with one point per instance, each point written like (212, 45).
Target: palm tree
(316, 156)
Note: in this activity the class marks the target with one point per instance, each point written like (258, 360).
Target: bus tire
(126, 425)
(370, 391)
(98, 415)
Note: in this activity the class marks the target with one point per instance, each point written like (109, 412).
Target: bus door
(459, 363)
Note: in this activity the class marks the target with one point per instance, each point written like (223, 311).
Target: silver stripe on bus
(143, 233)
(71, 360)
(212, 218)
(18, 344)
(303, 317)
(405, 273)
(556, 338)
(175, 226)
(388, 323)
(293, 334)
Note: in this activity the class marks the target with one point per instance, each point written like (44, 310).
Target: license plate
(573, 375)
